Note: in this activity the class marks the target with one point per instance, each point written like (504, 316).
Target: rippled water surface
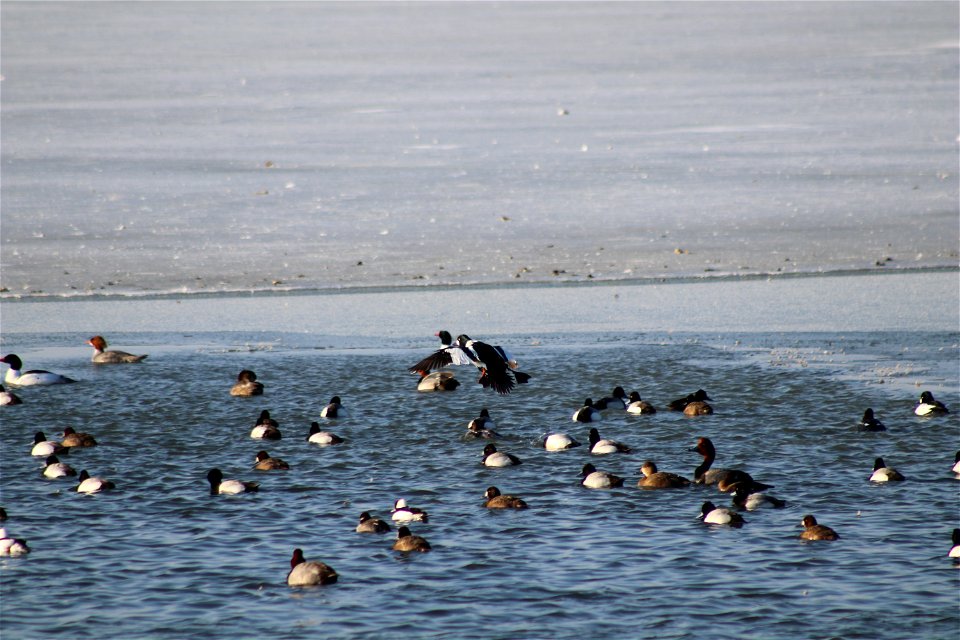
(161, 558)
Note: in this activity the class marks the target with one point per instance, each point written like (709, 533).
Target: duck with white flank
(496, 500)
(711, 514)
(494, 458)
(928, 405)
(402, 513)
(12, 546)
(955, 549)
(956, 463)
(43, 447)
(744, 499)
(93, 484)
(558, 442)
(726, 479)
(323, 438)
(639, 406)
(266, 428)
(102, 356)
(56, 469)
(7, 398)
(246, 385)
(334, 409)
(306, 573)
(869, 423)
(600, 446)
(593, 479)
(617, 400)
(228, 487)
(481, 427)
(883, 473)
(654, 479)
(587, 413)
(33, 377)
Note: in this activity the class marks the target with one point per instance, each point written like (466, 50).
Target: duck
(814, 531)
(955, 549)
(711, 514)
(928, 405)
(402, 513)
(726, 479)
(12, 546)
(637, 405)
(956, 463)
(593, 479)
(481, 428)
(587, 413)
(496, 500)
(334, 409)
(698, 408)
(56, 469)
(228, 487)
(883, 473)
(681, 403)
(93, 484)
(449, 353)
(8, 399)
(498, 369)
(438, 381)
(246, 385)
(653, 479)
(744, 499)
(869, 423)
(323, 438)
(265, 463)
(600, 446)
(266, 428)
(558, 442)
(494, 458)
(34, 377)
(102, 356)
(369, 524)
(616, 400)
(306, 573)
(406, 541)
(43, 447)
(73, 438)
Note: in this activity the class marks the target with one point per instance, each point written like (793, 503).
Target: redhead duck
(725, 479)
(72, 438)
(883, 473)
(334, 409)
(323, 438)
(558, 442)
(33, 377)
(955, 549)
(56, 469)
(93, 484)
(617, 400)
(681, 403)
(637, 405)
(12, 546)
(438, 381)
(43, 447)
(265, 463)
(494, 458)
(928, 406)
(406, 541)
(653, 479)
(402, 513)
(744, 499)
(814, 531)
(306, 573)
(587, 413)
(712, 514)
(496, 500)
(266, 428)
(600, 446)
(7, 398)
(246, 385)
(369, 524)
(956, 463)
(228, 487)
(593, 479)
(102, 356)
(869, 423)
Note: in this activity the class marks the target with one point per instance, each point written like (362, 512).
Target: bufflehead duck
(228, 487)
(593, 479)
(494, 458)
(681, 403)
(265, 463)
(751, 501)
(12, 546)
(725, 479)
(56, 469)
(495, 500)
(318, 436)
(438, 381)
(928, 406)
(481, 427)
(43, 447)
(955, 549)
(38, 377)
(7, 398)
(558, 442)
(73, 438)
(246, 385)
(587, 413)
(602, 446)
(869, 423)
(93, 484)
(638, 405)
(369, 524)
(402, 513)
(406, 541)
(334, 409)
(883, 473)
(305, 573)
(266, 428)
(617, 400)
(653, 479)
(814, 531)
(712, 514)
(101, 356)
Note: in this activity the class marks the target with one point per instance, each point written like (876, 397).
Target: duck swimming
(33, 377)
(601, 446)
(7, 398)
(305, 573)
(102, 356)
(637, 405)
(929, 406)
(654, 479)
(593, 479)
(406, 541)
(324, 438)
(712, 514)
(369, 524)
(725, 479)
(266, 428)
(246, 385)
(883, 473)
(587, 413)
(869, 423)
(558, 442)
(814, 531)
(228, 487)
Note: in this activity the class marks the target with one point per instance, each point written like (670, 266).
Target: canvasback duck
(956, 463)
(681, 403)
(587, 413)
(955, 549)
(883, 473)
(496, 500)
(12, 546)
(654, 479)
(928, 406)
(558, 442)
(266, 428)
(102, 356)
(406, 541)
(869, 423)
(617, 400)
(637, 405)
(814, 531)
(246, 385)
(593, 479)
(93, 484)
(56, 469)
(73, 438)
(43, 447)
(744, 499)
(323, 438)
(8, 399)
(601, 446)
(494, 458)
(228, 487)
(265, 463)
(334, 409)
(438, 381)
(34, 377)
(711, 514)
(369, 524)
(726, 479)
(481, 427)
(307, 573)
(403, 513)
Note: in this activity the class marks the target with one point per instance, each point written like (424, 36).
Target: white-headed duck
(246, 385)
(73, 438)
(587, 413)
(334, 409)
(229, 487)
(102, 356)
(8, 399)
(438, 381)
(496, 500)
(601, 446)
(744, 499)
(56, 469)
(711, 514)
(266, 428)
(317, 436)
(593, 479)
(403, 513)
(33, 377)
(929, 406)
(883, 473)
(12, 546)
(369, 524)
(265, 463)
(93, 484)
(406, 541)
(654, 479)
(637, 405)
(494, 458)
(43, 447)
(558, 442)
(869, 422)
(306, 573)
(814, 531)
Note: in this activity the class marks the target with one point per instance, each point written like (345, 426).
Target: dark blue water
(161, 558)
